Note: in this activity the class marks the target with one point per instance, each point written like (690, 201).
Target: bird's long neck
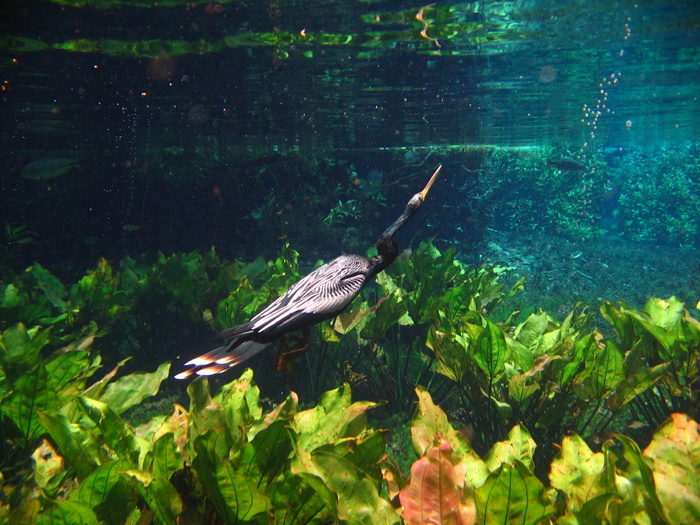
(387, 248)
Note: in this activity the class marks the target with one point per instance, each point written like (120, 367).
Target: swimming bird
(321, 295)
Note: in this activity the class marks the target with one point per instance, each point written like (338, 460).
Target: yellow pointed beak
(423, 194)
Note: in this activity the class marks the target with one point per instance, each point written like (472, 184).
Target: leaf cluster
(137, 304)
(225, 460)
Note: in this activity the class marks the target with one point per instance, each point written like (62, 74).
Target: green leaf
(664, 312)
(95, 489)
(519, 389)
(450, 349)
(576, 360)
(51, 286)
(333, 418)
(621, 323)
(65, 513)
(164, 459)
(295, 501)
(430, 424)
(607, 370)
(65, 368)
(574, 461)
(270, 451)
(205, 413)
(71, 440)
(20, 346)
(30, 396)
(240, 401)
(130, 390)
(675, 453)
(159, 494)
(634, 383)
(234, 495)
(117, 433)
(519, 446)
(638, 463)
(358, 499)
(530, 332)
(512, 494)
(491, 350)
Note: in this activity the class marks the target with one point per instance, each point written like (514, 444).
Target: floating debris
(131, 227)
(45, 169)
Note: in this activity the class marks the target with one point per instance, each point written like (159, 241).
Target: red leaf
(435, 493)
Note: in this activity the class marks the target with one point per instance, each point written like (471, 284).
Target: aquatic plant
(71, 453)
(525, 193)
(225, 460)
(660, 196)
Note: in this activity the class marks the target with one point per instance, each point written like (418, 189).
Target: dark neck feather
(387, 248)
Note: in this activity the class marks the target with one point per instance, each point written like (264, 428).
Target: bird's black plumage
(322, 294)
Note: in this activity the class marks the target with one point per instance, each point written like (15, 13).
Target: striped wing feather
(320, 295)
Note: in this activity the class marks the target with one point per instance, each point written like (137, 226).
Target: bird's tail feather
(221, 359)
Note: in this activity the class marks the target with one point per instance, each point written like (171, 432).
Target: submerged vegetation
(533, 419)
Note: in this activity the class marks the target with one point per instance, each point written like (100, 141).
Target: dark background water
(185, 120)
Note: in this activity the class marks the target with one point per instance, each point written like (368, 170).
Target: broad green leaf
(269, 452)
(159, 494)
(512, 494)
(20, 346)
(355, 317)
(435, 492)
(130, 390)
(452, 358)
(576, 360)
(235, 496)
(205, 414)
(65, 513)
(519, 389)
(285, 411)
(575, 460)
(66, 368)
(666, 338)
(664, 313)
(638, 463)
(240, 401)
(430, 423)
(635, 383)
(30, 396)
(70, 439)
(96, 390)
(95, 488)
(529, 333)
(164, 458)
(117, 433)
(675, 453)
(358, 499)
(295, 501)
(333, 418)
(606, 372)
(621, 323)
(491, 350)
(51, 286)
(519, 445)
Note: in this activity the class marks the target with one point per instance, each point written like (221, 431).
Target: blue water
(242, 125)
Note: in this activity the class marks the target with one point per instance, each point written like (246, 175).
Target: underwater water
(170, 168)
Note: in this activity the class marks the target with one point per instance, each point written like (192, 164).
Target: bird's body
(320, 295)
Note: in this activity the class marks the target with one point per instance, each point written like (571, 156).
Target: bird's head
(416, 201)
